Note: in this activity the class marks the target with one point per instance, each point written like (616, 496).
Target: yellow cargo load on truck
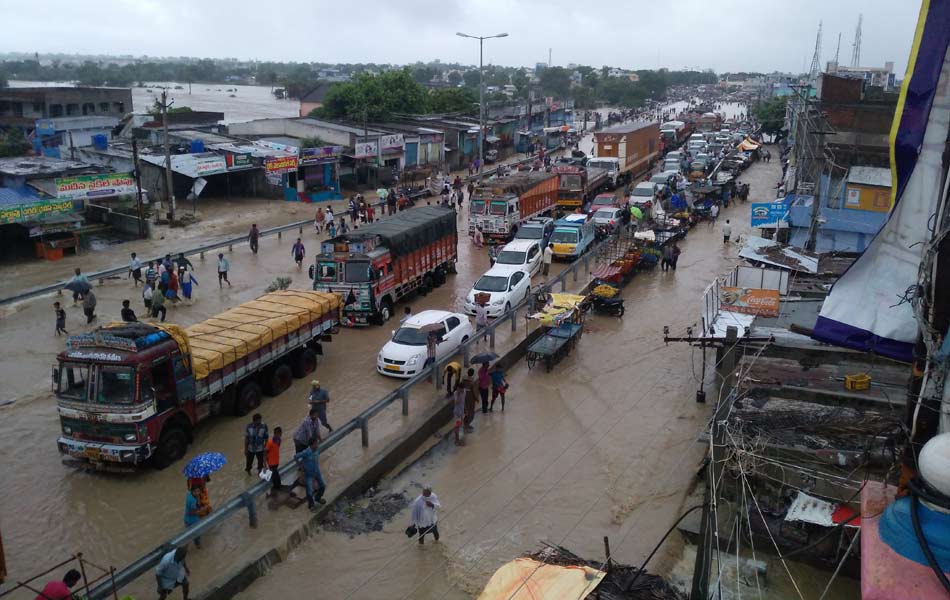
(230, 336)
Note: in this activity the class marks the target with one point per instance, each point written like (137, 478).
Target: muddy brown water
(601, 446)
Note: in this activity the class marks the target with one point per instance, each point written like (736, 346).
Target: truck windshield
(357, 272)
(499, 208)
(491, 283)
(326, 271)
(116, 385)
(601, 165)
(570, 182)
(71, 381)
(477, 207)
(564, 236)
(410, 336)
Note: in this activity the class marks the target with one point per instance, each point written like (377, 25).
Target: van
(572, 237)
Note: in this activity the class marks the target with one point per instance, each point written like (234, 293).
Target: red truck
(376, 266)
(500, 206)
(578, 185)
(131, 393)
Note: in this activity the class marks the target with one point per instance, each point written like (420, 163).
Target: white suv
(525, 254)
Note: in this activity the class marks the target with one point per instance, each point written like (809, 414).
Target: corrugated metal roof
(26, 166)
(185, 164)
(73, 123)
(878, 176)
(13, 196)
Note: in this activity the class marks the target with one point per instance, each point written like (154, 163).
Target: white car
(610, 217)
(506, 286)
(405, 354)
(525, 254)
(643, 193)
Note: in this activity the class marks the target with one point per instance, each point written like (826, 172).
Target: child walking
(60, 319)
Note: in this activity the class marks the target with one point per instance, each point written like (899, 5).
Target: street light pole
(481, 92)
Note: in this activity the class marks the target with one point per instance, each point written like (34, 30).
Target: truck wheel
(427, 284)
(172, 445)
(440, 276)
(248, 398)
(385, 311)
(304, 363)
(278, 380)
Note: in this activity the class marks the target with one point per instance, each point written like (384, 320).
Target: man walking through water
(253, 237)
(424, 517)
(298, 252)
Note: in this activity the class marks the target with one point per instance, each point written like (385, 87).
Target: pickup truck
(572, 236)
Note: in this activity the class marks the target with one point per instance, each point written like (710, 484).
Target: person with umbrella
(198, 471)
(193, 511)
(499, 385)
(78, 285)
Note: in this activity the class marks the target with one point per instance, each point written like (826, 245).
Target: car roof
(607, 208)
(427, 317)
(520, 245)
(644, 184)
(538, 221)
(575, 218)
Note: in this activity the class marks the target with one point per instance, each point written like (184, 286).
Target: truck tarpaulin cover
(516, 184)
(231, 335)
(410, 229)
(528, 579)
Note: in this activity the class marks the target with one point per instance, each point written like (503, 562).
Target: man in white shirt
(135, 270)
(548, 256)
(424, 517)
(726, 232)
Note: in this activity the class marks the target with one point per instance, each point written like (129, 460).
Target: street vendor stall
(562, 320)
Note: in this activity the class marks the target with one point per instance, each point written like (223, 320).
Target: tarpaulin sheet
(561, 307)
(233, 334)
(528, 579)
(410, 230)
(178, 334)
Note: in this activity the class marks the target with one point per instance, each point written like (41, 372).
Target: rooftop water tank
(100, 141)
(197, 146)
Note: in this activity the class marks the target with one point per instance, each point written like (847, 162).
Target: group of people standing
(464, 390)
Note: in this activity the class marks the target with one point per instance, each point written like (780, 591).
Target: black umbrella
(484, 357)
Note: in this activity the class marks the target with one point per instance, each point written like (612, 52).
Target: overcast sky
(725, 35)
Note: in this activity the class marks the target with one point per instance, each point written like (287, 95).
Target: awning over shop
(192, 165)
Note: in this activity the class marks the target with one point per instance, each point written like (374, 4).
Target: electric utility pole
(169, 191)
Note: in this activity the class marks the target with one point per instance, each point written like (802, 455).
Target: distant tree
(377, 97)
(555, 81)
(452, 100)
(519, 79)
(13, 143)
(471, 78)
(298, 81)
(156, 109)
(313, 142)
(90, 74)
(771, 114)
(423, 74)
(455, 78)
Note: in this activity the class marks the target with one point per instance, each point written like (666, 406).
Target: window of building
(55, 110)
(72, 110)
(118, 107)
(103, 107)
(88, 108)
(38, 107)
(17, 109)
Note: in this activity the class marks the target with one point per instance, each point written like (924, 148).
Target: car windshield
(477, 207)
(491, 283)
(605, 213)
(116, 385)
(659, 179)
(642, 191)
(410, 336)
(511, 257)
(498, 207)
(357, 272)
(564, 236)
(71, 381)
(529, 233)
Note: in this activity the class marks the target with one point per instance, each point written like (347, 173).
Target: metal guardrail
(102, 275)
(432, 375)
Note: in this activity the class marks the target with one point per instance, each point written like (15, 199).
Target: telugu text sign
(95, 186)
(319, 156)
(211, 165)
(22, 213)
(749, 301)
(281, 164)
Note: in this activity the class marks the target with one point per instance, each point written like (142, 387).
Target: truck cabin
(353, 260)
(570, 186)
(498, 205)
(120, 369)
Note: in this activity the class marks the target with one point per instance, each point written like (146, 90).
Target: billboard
(211, 165)
(94, 186)
(19, 213)
(280, 164)
(768, 213)
(319, 156)
(238, 161)
(749, 301)
(391, 143)
(365, 149)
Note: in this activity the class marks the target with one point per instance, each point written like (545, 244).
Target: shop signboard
(95, 186)
(430, 138)
(21, 213)
(319, 156)
(366, 149)
(238, 161)
(749, 301)
(768, 213)
(392, 143)
(280, 164)
(211, 165)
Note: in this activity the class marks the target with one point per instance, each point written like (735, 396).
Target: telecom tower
(856, 52)
(813, 71)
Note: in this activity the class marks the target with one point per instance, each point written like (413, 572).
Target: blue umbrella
(204, 464)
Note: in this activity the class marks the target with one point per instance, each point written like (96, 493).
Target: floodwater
(239, 103)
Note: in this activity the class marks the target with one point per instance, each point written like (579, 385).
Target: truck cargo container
(578, 185)
(377, 265)
(673, 134)
(500, 206)
(129, 393)
(635, 145)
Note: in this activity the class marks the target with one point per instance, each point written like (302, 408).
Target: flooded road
(602, 446)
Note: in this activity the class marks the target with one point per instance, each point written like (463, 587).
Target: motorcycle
(608, 306)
